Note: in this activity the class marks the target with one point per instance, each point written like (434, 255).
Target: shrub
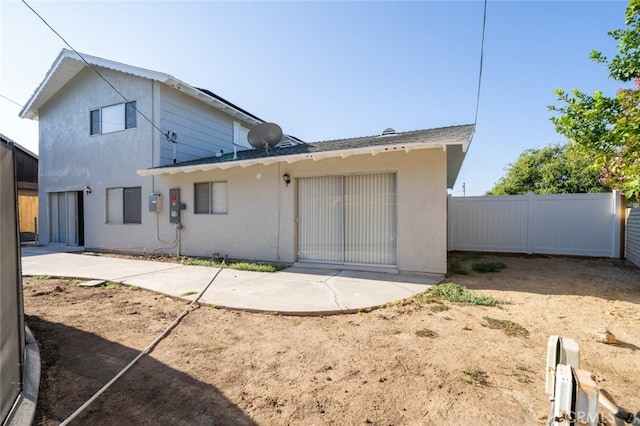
(488, 267)
(457, 293)
(457, 267)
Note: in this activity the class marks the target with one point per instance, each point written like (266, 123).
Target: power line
(94, 69)
(484, 25)
(11, 100)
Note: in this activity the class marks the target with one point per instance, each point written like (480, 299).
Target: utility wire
(146, 350)
(484, 25)
(93, 68)
(11, 100)
(165, 134)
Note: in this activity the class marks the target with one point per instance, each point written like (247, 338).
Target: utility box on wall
(155, 202)
(175, 205)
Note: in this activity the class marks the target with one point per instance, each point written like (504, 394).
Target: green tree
(554, 169)
(609, 127)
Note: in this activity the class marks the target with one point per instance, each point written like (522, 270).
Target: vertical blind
(370, 219)
(58, 220)
(72, 218)
(348, 219)
(320, 212)
(63, 221)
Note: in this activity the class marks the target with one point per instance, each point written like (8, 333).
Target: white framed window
(113, 118)
(240, 135)
(210, 198)
(124, 205)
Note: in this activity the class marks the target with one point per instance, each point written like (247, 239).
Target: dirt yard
(403, 364)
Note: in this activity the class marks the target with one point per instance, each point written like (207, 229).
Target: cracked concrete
(335, 295)
(295, 291)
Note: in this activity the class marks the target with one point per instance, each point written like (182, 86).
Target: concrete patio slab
(296, 290)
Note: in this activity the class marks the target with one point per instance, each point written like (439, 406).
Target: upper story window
(113, 118)
(240, 135)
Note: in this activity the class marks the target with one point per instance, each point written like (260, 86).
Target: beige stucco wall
(261, 221)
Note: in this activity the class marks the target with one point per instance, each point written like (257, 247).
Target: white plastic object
(563, 396)
(560, 350)
(575, 397)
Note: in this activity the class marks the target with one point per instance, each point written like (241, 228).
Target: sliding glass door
(348, 219)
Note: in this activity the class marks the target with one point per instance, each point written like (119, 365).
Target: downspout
(279, 209)
(153, 141)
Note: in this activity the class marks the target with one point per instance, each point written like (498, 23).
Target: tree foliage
(609, 127)
(554, 169)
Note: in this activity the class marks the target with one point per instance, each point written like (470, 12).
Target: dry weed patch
(510, 328)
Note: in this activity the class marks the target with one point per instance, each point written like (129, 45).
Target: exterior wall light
(87, 190)
(286, 178)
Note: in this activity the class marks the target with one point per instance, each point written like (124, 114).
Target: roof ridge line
(394, 135)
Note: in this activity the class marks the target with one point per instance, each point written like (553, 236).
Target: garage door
(348, 219)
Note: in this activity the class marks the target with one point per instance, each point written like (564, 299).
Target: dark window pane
(201, 201)
(130, 115)
(95, 122)
(133, 205)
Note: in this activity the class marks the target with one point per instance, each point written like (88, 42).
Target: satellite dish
(265, 136)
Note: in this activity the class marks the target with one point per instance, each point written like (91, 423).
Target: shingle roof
(455, 139)
(439, 136)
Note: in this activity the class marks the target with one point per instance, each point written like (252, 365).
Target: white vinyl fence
(633, 236)
(570, 224)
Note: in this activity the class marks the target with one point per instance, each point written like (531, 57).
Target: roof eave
(30, 110)
(26, 111)
(455, 160)
(70, 59)
(293, 158)
(7, 140)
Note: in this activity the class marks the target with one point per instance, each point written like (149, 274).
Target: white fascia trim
(297, 157)
(63, 59)
(118, 66)
(69, 55)
(25, 111)
(465, 146)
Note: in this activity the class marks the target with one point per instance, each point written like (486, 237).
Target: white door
(348, 219)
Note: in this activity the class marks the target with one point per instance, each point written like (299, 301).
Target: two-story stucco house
(139, 161)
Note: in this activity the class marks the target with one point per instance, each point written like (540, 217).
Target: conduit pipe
(146, 350)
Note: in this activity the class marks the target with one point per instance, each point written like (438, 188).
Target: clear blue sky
(329, 70)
